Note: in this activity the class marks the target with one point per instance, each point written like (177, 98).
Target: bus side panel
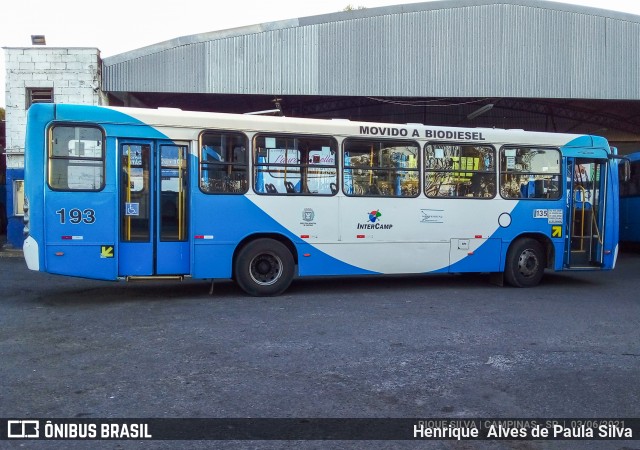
(81, 261)
(475, 255)
(221, 222)
(545, 219)
(630, 203)
(212, 260)
(630, 219)
(79, 234)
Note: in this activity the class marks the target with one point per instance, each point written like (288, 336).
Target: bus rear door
(153, 209)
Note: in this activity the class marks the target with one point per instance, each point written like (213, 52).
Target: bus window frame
(493, 172)
(387, 169)
(225, 164)
(51, 157)
(558, 174)
(255, 150)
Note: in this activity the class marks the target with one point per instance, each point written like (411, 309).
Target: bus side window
(529, 172)
(223, 162)
(76, 158)
(287, 164)
(459, 171)
(380, 168)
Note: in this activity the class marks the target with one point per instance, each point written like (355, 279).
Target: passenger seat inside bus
(289, 186)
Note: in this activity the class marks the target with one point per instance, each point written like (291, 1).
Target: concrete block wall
(73, 73)
(75, 76)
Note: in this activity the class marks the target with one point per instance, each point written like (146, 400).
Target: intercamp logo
(374, 222)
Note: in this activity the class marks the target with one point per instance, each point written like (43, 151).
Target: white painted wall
(73, 73)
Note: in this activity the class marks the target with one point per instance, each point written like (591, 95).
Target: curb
(10, 253)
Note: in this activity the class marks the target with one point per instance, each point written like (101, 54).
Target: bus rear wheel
(264, 267)
(525, 263)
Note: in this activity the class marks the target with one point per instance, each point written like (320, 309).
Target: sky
(117, 26)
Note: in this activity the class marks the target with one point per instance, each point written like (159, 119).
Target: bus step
(585, 268)
(579, 258)
(156, 278)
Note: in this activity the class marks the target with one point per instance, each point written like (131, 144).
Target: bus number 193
(76, 216)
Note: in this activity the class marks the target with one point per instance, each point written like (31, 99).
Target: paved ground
(436, 346)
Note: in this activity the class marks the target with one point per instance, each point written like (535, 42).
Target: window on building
(377, 167)
(18, 197)
(223, 162)
(529, 172)
(76, 158)
(295, 164)
(460, 170)
(39, 95)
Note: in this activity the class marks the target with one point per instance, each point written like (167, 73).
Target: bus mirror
(626, 167)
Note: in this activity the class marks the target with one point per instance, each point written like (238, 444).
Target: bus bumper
(31, 253)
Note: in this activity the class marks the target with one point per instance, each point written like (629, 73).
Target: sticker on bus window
(132, 209)
(555, 216)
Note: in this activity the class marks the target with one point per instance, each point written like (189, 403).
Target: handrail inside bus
(128, 218)
(582, 191)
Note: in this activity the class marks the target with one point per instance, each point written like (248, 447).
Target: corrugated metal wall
(505, 49)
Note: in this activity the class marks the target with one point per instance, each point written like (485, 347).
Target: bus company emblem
(308, 215)
(374, 222)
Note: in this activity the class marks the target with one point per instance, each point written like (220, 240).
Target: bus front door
(153, 209)
(586, 203)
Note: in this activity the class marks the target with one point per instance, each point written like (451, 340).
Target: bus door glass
(586, 180)
(172, 255)
(153, 213)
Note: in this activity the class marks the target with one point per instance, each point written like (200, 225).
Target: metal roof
(452, 48)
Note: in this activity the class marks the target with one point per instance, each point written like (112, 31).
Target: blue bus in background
(630, 202)
(143, 194)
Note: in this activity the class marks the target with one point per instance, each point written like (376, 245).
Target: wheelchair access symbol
(132, 209)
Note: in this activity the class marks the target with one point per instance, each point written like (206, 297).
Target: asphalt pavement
(452, 346)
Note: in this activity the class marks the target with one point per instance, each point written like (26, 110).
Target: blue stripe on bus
(319, 263)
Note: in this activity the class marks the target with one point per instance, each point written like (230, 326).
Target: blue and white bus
(630, 202)
(127, 193)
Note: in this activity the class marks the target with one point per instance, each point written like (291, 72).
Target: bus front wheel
(525, 263)
(264, 267)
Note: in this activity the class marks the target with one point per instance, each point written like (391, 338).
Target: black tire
(264, 267)
(525, 263)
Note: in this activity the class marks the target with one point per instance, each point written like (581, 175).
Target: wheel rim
(528, 263)
(265, 269)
